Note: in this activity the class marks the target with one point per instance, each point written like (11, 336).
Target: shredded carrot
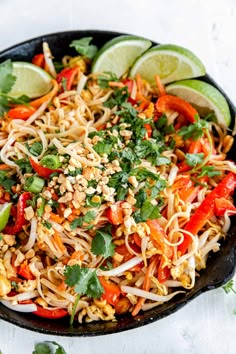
(144, 102)
(59, 242)
(77, 255)
(4, 166)
(71, 217)
(146, 283)
(76, 212)
(101, 127)
(37, 103)
(149, 110)
(56, 218)
(139, 83)
(116, 84)
(160, 86)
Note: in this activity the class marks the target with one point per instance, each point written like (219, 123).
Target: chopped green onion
(34, 184)
(51, 161)
(40, 210)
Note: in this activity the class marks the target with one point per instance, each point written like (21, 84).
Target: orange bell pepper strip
(111, 291)
(167, 103)
(39, 60)
(115, 213)
(24, 271)
(21, 112)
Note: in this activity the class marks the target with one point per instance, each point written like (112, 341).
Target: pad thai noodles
(113, 194)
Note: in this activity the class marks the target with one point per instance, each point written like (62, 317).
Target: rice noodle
(19, 308)
(149, 295)
(121, 269)
(32, 236)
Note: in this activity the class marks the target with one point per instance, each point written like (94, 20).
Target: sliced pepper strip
(20, 218)
(42, 171)
(67, 74)
(51, 314)
(173, 103)
(206, 210)
(111, 291)
(21, 112)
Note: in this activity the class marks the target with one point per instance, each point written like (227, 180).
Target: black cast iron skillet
(220, 266)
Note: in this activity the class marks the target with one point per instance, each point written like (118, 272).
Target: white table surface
(207, 324)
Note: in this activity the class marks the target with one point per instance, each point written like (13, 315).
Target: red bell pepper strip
(24, 272)
(51, 314)
(111, 291)
(20, 218)
(42, 171)
(173, 103)
(39, 60)
(67, 74)
(115, 213)
(129, 83)
(222, 205)
(206, 210)
(21, 112)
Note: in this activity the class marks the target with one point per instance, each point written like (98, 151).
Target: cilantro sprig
(48, 348)
(228, 287)
(86, 219)
(195, 130)
(83, 47)
(85, 280)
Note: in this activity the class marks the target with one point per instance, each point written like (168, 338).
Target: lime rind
(204, 97)
(4, 214)
(31, 80)
(179, 63)
(118, 54)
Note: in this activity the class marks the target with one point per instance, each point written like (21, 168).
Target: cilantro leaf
(24, 165)
(103, 147)
(194, 159)
(76, 172)
(83, 276)
(3, 105)
(87, 218)
(118, 97)
(228, 287)
(42, 348)
(105, 78)
(6, 182)
(83, 47)
(148, 211)
(46, 348)
(94, 288)
(102, 244)
(35, 149)
(84, 280)
(194, 130)
(7, 80)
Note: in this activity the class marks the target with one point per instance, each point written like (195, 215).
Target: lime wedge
(170, 62)
(204, 97)
(4, 214)
(119, 54)
(31, 80)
